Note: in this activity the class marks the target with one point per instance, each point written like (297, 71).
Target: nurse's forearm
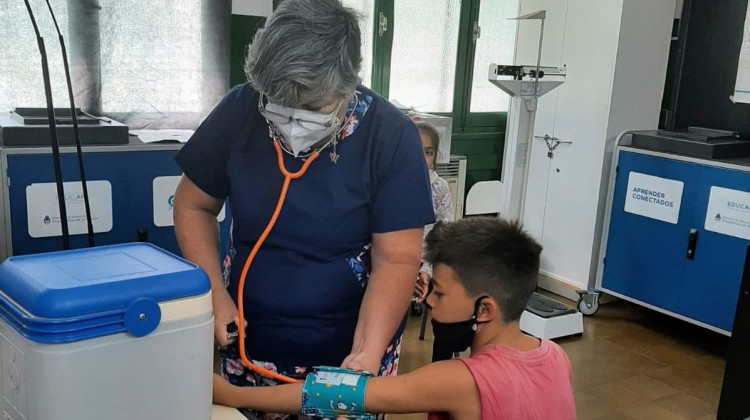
(197, 230)
(395, 261)
(198, 238)
(383, 308)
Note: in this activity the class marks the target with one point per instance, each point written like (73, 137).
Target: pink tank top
(517, 385)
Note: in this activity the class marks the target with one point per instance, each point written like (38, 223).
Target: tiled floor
(631, 363)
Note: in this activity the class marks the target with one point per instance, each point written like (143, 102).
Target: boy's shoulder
(557, 351)
(523, 384)
(548, 354)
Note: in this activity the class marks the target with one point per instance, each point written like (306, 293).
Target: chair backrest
(484, 197)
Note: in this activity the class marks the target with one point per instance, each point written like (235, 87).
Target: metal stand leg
(424, 321)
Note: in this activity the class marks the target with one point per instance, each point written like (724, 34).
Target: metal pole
(539, 60)
(52, 131)
(76, 134)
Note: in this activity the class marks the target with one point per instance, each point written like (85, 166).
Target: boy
(484, 271)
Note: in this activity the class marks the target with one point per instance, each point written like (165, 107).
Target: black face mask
(453, 337)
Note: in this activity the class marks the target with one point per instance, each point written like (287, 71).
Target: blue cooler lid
(80, 294)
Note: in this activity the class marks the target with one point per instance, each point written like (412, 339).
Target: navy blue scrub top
(304, 288)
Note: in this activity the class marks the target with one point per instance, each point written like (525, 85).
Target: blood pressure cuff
(332, 392)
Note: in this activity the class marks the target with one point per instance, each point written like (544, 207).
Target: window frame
(464, 121)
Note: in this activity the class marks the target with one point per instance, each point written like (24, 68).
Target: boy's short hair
(490, 256)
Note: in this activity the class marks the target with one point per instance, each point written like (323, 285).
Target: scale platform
(547, 318)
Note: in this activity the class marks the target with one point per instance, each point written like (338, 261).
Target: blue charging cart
(135, 178)
(675, 233)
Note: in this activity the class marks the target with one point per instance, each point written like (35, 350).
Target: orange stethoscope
(288, 177)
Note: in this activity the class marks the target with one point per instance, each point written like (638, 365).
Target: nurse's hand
(362, 361)
(225, 312)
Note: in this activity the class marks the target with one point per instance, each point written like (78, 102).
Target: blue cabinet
(130, 171)
(646, 259)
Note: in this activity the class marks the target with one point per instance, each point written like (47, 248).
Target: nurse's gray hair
(308, 51)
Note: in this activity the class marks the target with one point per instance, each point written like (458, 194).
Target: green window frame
(463, 119)
(480, 136)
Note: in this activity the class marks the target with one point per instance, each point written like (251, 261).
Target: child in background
(441, 205)
(485, 270)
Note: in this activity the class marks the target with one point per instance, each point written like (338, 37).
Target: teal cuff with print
(332, 392)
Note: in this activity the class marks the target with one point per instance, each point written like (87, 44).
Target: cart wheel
(588, 307)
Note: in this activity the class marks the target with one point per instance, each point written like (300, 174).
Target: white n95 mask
(300, 129)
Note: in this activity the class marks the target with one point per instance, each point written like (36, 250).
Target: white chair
(485, 197)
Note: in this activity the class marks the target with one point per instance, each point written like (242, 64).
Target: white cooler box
(115, 332)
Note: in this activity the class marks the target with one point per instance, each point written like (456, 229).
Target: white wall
(678, 9)
(252, 7)
(615, 52)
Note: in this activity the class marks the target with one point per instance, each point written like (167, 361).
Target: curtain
(148, 64)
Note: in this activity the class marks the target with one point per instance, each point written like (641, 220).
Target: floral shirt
(443, 207)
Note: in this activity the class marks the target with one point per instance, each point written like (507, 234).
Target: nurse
(331, 283)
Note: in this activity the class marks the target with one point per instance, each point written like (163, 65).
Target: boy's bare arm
(283, 399)
(444, 386)
(438, 387)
